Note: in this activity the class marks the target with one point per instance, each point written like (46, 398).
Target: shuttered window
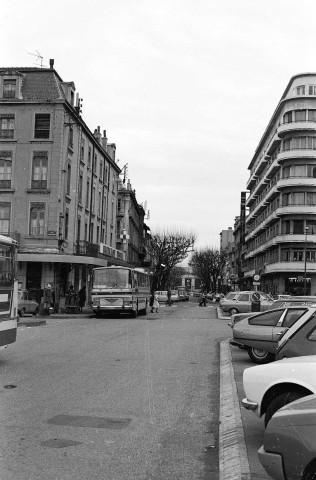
(42, 125)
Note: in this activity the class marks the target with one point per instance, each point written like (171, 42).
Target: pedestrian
(156, 303)
(82, 297)
(151, 302)
(169, 297)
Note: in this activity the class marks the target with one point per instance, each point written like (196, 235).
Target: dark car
(260, 334)
(298, 340)
(289, 445)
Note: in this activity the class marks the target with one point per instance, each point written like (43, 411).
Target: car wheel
(233, 311)
(310, 471)
(260, 356)
(279, 402)
(22, 312)
(36, 312)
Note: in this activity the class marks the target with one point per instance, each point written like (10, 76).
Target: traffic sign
(256, 296)
(256, 278)
(256, 283)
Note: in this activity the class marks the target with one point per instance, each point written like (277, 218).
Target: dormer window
(9, 88)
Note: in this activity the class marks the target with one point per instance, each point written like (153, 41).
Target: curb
(233, 458)
(31, 322)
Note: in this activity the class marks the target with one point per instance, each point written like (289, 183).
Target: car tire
(260, 356)
(22, 312)
(310, 471)
(233, 311)
(280, 402)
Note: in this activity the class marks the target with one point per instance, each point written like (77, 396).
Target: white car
(271, 386)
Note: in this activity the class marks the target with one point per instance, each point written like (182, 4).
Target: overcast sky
(184, 88)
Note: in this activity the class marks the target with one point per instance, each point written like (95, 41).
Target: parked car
(183, 295)
(298, 340)
(241, 302)
(270, 387)
(162, 295)
(285, 302)
(26, 305)
(289, 444)
(260, 334)
(175, 296)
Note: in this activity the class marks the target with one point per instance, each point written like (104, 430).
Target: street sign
(255, 297)
(256, 283)
(256, 278)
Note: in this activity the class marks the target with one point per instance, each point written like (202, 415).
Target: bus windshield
(111, 278)
(6, 266)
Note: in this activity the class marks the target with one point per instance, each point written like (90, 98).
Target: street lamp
(306, 229)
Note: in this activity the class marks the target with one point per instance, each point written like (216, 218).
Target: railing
(84, 247)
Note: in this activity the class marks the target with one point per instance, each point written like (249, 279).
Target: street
(119, 398)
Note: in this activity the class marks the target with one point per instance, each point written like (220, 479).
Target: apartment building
(132, 233)
(281, 223)
(58, 181)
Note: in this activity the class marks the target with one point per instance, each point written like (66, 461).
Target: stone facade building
(58, 182)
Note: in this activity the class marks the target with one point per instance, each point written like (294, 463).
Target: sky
(185, 89)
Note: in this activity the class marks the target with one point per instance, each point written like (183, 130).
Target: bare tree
(208, 265)
(167, 249)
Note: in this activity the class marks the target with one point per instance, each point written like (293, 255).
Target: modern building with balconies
(58, 181)
(281, 221)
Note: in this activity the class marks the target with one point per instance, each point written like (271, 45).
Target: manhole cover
(59, 443)
(89, 422)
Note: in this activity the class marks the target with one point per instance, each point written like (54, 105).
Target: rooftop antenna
(39, 57)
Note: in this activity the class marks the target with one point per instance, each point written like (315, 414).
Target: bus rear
(8, 291)
(119, 290)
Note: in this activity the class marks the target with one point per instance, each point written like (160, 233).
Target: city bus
(121, 290)
(8, 291)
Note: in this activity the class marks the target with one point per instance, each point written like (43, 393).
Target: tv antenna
(38, 57)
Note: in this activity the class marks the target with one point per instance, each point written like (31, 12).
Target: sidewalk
(40, 320)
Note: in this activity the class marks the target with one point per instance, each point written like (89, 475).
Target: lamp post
(306, 229)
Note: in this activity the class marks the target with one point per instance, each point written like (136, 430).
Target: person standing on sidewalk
(82, 297)
(169, 297)
(156, 303)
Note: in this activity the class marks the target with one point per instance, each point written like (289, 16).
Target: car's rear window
(266, 319)
(292, 316)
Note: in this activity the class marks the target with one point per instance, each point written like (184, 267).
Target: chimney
(97, 134)
(51, 63)
(104, 140)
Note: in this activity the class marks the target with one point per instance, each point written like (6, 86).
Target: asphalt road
(86, 398)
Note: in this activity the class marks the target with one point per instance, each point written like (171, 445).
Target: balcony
(290, 267)
(297, 182)
(307, 126)
(97, 250)
(297, 153)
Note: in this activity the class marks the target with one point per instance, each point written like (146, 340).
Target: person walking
(82, 297)
(156, 303)
(202, 300)
(169, 297)
(151, 302)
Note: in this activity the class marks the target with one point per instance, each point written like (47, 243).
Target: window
(312, 335)
(66, 223)
(71, 137)
(37, 219)
(300, 90)
(93, 198)
(99, 204)
(287, 117)
(7, 125)
(310, 198)
(268, 319)
(68, 179)
(39, 171)
(312, 115)
(82, 150)
(88, 193)
(311, 225)
(310, 255)
(292, 316)
(286, 255)
(9, 88)
(286, 172)
(94, 167)
(101, 170)
(243, 297)
(5, 213)
(80, 187)
(298, 226)
(89, 157)
(300, 115)
(42, 125)
(5, 169)
(311, 89)
(298, 255)
(298, 198)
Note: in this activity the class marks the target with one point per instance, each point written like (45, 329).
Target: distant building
(281, 224)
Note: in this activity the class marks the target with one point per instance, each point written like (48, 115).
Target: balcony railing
(84, 247)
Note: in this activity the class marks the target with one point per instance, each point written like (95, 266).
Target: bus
(121, 290)
(8, 291)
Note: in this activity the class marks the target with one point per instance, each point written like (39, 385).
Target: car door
(243, 303)
(260, 334)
